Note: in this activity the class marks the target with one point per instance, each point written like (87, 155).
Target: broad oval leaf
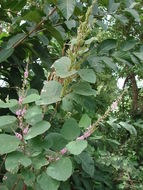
(8, 143)
(56, 141)
(31, 98)
(70, 129)
(76, 147)
(14, 160)
(33, 115)
(51, 93)
(87, 75)
(7, 120)
(85, 121)
(37, 129)
(47, 183)
(62, 67)
(87, 163)
(60, 170)
(83, 88)
(9, 104)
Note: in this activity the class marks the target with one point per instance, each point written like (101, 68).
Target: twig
(3, 162)
(33, 30)
(15, 184)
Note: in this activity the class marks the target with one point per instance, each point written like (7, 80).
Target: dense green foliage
(64, 123)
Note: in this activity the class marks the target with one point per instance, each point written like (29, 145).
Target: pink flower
(86, 134)
(50, 158)
(18, 112)
(23, 111)
(18, 135)
(26, 74)
(25, 131)
(114, 105)
(20, 100)
(81, 137)
(63, 151)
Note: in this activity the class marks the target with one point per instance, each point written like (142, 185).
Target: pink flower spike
(26, 74)
(20, 100)
(18, 135)
(114, 105)
(63, 151)
(25, 131)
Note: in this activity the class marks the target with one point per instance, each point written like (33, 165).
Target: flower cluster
(21, 112)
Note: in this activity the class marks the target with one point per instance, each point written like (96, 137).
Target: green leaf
(15, 5)
(5, 53)
(29, 177)
(15, 39)
(70, 24)
(76, 147)
(83, 88)
(51, 93)
(33, 115)
(4, 187)
(122, 19)
(31, 98)
(87, 163)
(9, 104)
(66, 7)
(14, 160)
(129, 128)
(55, 141)
(129, 44)
(139, 55)
(39, 161)
(67, 103)
(55, 33)
(109, 62)
(43, 39)
(8, 143)
(112, 141)
(85, 121)
(90, 40)
(107, 45)
(133, 13)
(32, 15)
(70, 129)
(113, 6)
(47, 183)
(7, 120)
(62, 67)
(60, 170)
(87, 75)
(38, 129)
(11, 179)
